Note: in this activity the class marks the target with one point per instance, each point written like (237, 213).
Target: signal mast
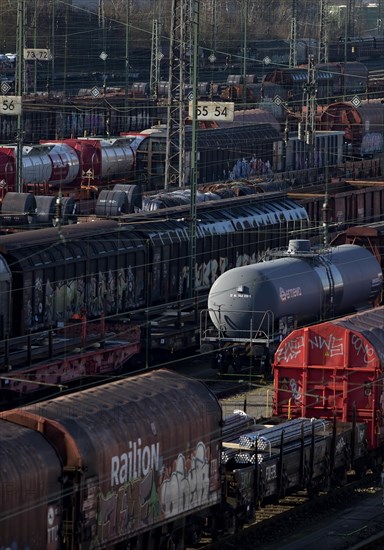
(293, 37)
(183, 59)
(323, 41)
(178, 49)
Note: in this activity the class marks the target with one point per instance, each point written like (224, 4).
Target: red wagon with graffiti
(334, 369)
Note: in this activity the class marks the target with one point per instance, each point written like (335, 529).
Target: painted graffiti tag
(341, 445)
(296, 393)
(145, 488)
(290, 349)
(362, 348)
(333, 346)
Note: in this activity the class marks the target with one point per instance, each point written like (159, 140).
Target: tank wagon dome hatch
(334, 368)
(299, 246)
(298, 287)
(139, 439)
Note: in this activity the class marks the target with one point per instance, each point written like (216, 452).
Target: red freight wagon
(334, 369)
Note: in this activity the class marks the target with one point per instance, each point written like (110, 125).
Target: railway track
(280, 523)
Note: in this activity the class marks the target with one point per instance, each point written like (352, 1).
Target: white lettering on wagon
(331, 346)
(289, 293)
(134, 463)
(364, 349)
(290, 349)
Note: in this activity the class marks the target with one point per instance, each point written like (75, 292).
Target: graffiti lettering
(290, 350)
(333, 346)
(188, 485)
(341, 444)
(361, 348)
(296, 394)
(184, 482)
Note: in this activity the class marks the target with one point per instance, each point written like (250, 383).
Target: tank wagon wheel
(234, 364)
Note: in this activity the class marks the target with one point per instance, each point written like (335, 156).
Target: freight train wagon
(135, 272)
(335, 369)
(48, 118)
(341, 204)
(334, 82)
(370, 235)
(150, 462)
(85, 165)
(254, 307)
(362, 126)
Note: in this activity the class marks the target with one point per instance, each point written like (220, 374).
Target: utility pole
(195, 21)
(35, 46)
(19, 88)
(351, 17)
(310, 90)
(380, 5)
(245, 48)
(156, 56)
(184, 39)
(103, 55)
(126, 99)
(65, 50)
(175, 144)
(323, 42)
(53, 44)
(349, 25)
(293, 37)
(213, 26)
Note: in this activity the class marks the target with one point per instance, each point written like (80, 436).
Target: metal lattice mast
(310, 90)
(323, 42)
(126, 102)
(380, 16)
(195, 27)
(245, 48)
(19, 88)
(175, 146)
(156, 56)
(213, 10)
(293, 37)
(351, 17)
